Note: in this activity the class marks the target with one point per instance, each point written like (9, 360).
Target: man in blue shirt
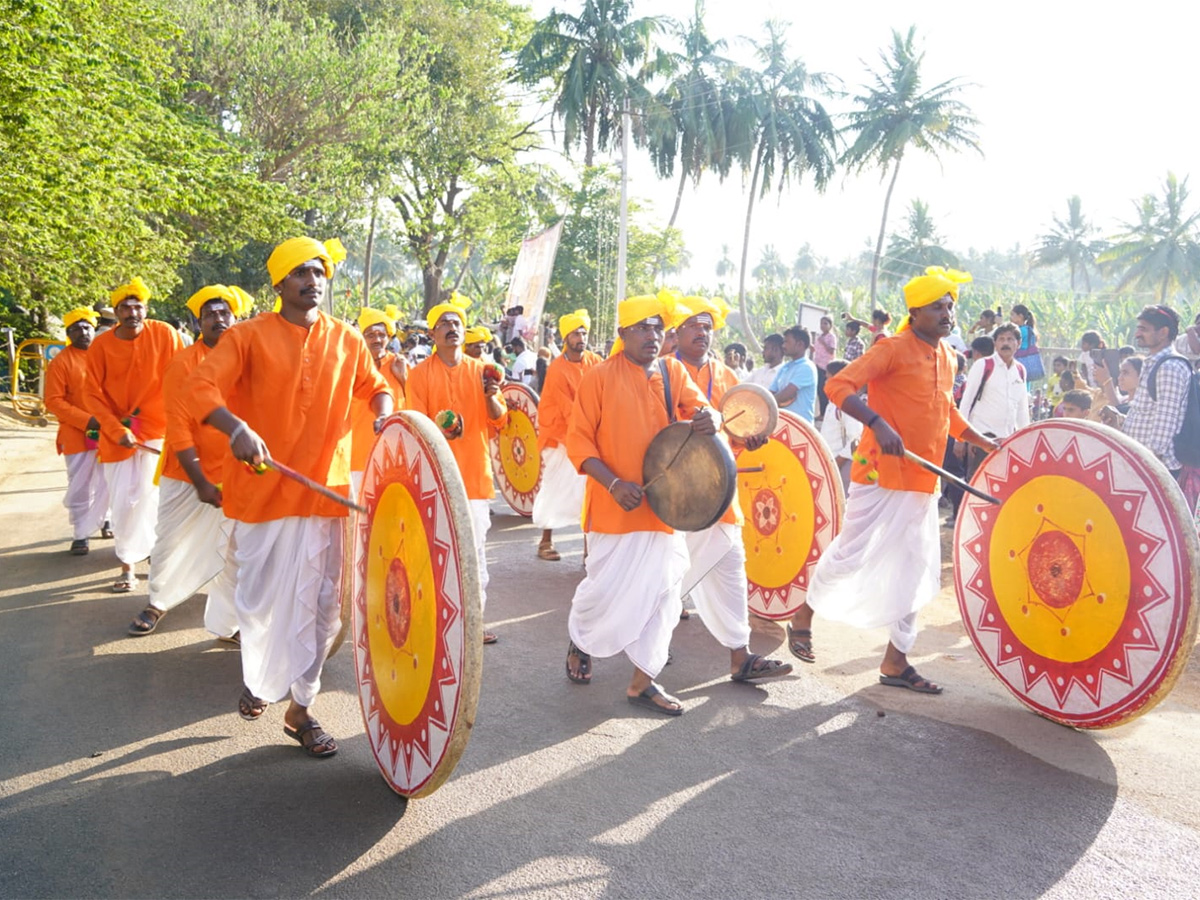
(795, 387)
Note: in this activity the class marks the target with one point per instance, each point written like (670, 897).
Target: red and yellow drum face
(1080, 590)
(516, 459)
(792, 508)
(417, 622)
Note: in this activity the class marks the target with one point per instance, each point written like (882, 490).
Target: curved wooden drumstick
(140, 446)
(308, 483)
(953, 479)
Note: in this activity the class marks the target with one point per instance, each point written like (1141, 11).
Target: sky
(1072, 98)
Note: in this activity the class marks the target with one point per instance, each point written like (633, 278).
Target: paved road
(126, 771)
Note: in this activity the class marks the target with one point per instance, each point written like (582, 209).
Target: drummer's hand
(400, 369)
(490, 387)
(754, 441)
(92, 424)
(209, 493)
(127, 439)
(627, 494)
(986, 444)
(703, 422)
(890, 442)
(249, 447)
(379, 421)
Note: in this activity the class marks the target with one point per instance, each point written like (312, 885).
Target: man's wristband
(871, 421)
(613, 482)
(233, 435)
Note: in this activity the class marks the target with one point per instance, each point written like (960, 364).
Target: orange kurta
(65, 377)
(618, 411)
(713, 379)
(434, 386)
(124, 379)
(363, 419)
(910, 384)
(183, 432)
(293, 385)
(558, 397)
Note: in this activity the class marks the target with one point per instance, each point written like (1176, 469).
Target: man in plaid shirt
(1154, 422)
(854, 344)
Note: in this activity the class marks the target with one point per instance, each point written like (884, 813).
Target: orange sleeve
(581, 436)
(96, 400)
(554, 406)
(211, 381)
(59, 375)
(855, 376)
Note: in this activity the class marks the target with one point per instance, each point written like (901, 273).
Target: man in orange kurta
(125, 366)
(377, 329)
(280, 386)
(629, 599)
(560, 497)
(192, 535)
(451, 380)
(885, 564)
(716, 580)
(86, 499)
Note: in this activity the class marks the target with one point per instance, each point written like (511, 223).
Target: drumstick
(311, 484)
(140, 446)
(953, 479)
(667, 467)
(745, 469)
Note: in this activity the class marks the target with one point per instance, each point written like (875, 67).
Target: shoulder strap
(989, 365)
(1152, 381)
(666, 377)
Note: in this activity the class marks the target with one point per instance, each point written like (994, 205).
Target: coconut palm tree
(686, 123)
(894, 114)
(1069, 242)
(781, 131)
(910, 252)
(590, 58)
(1162, 250)
(771, 269)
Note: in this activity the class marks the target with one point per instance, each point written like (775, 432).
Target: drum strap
(662, 368)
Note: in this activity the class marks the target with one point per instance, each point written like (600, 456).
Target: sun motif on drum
(516, 459)
(412, 611)
(1072, 590)
(792, 510)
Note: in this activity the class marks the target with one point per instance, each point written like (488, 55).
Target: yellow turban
(213, 292)
(632, 310)
(298, 250)
(245, 303)
(392, 311)
(581, 318)
(681, 313)
(457, 304)
(934, 284)
(369, 317)
(136, 288)
(80, 314)
(478, 334)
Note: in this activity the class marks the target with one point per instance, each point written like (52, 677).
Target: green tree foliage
(894, 113)
(1161, 251)
(106, 170)
(1070, 241)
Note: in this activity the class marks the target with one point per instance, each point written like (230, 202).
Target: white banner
(531, 277)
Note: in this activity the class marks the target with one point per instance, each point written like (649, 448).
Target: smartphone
(1110, 358)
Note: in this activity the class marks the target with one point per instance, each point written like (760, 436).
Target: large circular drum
(516, 459)
(418, 627)
(793, 510)
(1080, 591)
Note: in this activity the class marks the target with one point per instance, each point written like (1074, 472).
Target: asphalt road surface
(125, 770)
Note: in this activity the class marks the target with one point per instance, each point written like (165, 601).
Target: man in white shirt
(772, 351)
(524, 367)
(995, 399)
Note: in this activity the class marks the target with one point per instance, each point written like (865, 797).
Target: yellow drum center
(519, 451)
(1060, 571)
(780, 520)
(401, 605)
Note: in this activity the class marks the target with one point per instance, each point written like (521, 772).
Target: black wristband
(871, 422)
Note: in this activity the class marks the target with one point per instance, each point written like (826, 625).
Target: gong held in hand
(749, 411)
(689, 478)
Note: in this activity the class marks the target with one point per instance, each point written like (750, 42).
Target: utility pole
(623, 226)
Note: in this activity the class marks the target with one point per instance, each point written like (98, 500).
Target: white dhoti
(86, 499)
(716, 581)
(288, 604)
(481, 521)
(220, 611)
(559, 501)
(189, 545)
(133, 496)
(629, 599)
(884, 565)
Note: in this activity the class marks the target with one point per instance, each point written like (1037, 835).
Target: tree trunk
(678, 195)
(750, 338)
(589, 141)
(1166, 282)
(887, 201)
(431, 279)
(1087, 280)
(366, 297)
